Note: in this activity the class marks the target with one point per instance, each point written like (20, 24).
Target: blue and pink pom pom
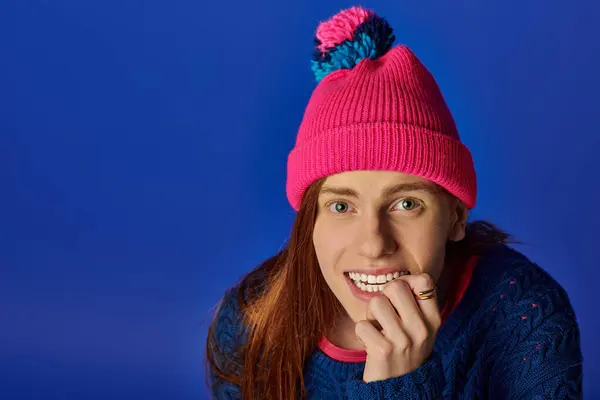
(347, 38)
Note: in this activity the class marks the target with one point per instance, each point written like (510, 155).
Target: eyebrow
(387, 192)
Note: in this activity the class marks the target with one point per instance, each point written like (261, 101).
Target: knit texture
(514, 335)
(382, 114)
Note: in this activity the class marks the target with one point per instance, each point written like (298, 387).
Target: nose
(376, 238)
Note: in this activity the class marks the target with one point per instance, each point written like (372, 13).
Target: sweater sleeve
(227, 336)
(540, 356)
(424, 383)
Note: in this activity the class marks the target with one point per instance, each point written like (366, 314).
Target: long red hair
(287, 306)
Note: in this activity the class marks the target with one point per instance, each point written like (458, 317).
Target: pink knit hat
(376, 107)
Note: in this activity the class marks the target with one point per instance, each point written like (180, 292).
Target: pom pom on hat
(340, 27)
(347, 38)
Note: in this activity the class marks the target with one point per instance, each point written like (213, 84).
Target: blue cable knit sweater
(513, 335)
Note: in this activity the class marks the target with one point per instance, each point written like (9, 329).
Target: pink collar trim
(339, 354)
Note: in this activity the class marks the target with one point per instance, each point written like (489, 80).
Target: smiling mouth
(373, 283)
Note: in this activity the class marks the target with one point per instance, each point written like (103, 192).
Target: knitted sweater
(512, 335)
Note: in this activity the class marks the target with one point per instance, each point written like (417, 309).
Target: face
(377, 225)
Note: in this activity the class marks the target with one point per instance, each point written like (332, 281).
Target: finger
(373, 320)
(408, 306)
(402, 298)
(376, 345)
(385, 313)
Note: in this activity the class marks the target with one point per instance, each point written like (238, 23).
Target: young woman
(384, 290)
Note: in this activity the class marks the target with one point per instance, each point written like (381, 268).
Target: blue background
(142, 166)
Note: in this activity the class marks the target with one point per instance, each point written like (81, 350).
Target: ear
(458, 222)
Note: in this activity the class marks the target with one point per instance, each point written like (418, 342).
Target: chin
(356, 313)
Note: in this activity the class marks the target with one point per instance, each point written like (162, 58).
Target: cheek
(330, 243)
(324, 247)
(333, 246)
(426, 244)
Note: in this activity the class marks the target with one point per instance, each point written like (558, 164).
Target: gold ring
(426, 294)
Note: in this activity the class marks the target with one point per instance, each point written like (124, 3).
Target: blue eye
(408, 204)
(339, 207)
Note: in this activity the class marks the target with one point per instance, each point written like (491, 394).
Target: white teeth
(376, 278)
(370, 288)
(374, 283)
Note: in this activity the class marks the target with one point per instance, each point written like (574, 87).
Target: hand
(409, 328)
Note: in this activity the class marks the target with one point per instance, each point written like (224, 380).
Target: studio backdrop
(143, 147)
